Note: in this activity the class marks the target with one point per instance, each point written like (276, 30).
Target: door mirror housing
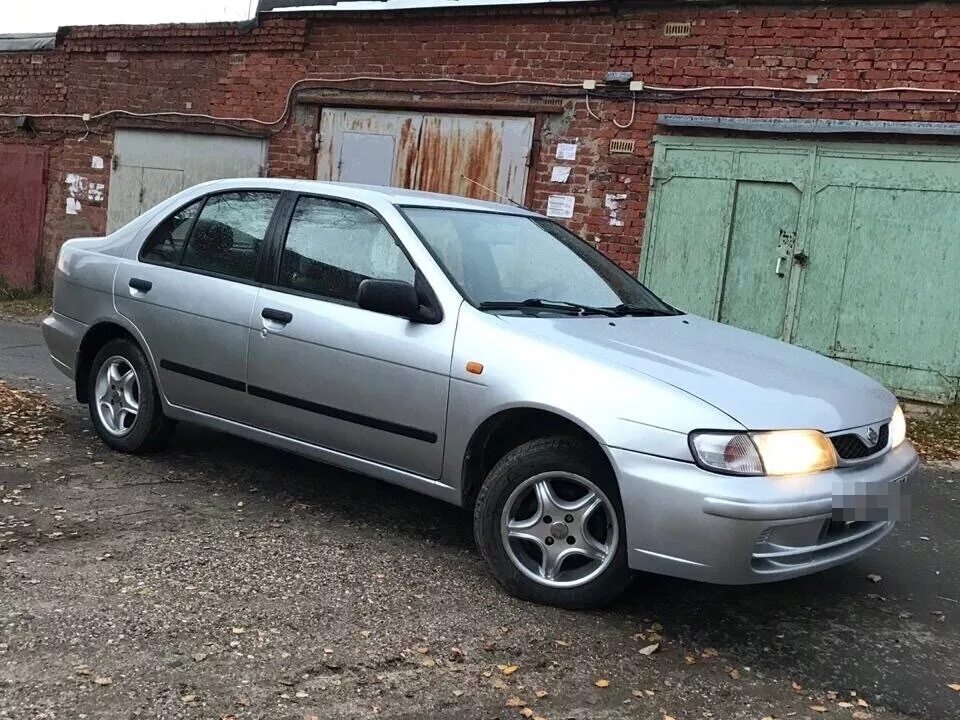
(389, 297)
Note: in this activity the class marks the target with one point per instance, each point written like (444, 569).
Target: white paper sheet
(560, 173)
(560, 206)
(566, 151)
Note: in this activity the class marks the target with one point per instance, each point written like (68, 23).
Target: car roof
(355, 191)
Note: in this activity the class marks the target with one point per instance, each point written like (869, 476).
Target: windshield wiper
(640, 310)
(540, 303)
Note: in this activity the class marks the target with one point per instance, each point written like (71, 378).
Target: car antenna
(491, 190)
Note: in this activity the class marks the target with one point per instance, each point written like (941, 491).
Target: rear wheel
(123, 400)
(549, 522)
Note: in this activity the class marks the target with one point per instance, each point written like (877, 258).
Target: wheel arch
(98, 335)
(509, 428)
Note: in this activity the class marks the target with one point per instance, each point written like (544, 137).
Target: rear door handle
(279, 316)
(143, 286)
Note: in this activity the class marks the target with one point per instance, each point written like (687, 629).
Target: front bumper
(688, 522)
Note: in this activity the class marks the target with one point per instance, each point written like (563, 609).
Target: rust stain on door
(23, 194)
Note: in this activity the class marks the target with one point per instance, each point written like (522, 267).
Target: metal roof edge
(811, 126)
(28, 42)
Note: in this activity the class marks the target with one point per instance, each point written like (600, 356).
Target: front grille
(851, 447)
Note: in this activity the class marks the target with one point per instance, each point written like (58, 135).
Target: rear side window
(165, 244)
(333, 246)
(227, 235)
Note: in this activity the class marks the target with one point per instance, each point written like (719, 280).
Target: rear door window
(229, 232)
(165, 244)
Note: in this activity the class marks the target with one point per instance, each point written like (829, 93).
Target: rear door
(323, 370)
(192, 292)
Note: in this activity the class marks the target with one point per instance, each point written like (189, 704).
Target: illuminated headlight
(898, 428)
(781, 452)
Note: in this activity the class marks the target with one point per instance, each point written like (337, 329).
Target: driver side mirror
(389, 297)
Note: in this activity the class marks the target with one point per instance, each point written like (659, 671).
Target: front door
(323, 370)
(191, 296)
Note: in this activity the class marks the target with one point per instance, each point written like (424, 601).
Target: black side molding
(346, 415)
(203, 375)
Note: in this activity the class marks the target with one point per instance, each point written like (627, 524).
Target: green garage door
(849, 250)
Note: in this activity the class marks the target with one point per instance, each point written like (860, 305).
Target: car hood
(763, 384)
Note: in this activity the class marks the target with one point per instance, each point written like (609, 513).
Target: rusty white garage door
(426, 151)
(150, 165)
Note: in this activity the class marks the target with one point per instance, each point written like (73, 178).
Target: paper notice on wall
(560, 173)
(96, 162)
(73, 206)
(566, 151)
(560, 206)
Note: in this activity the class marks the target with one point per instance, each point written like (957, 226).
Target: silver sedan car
(486, 356)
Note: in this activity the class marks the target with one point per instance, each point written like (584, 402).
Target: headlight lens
(781, 452)
(898, 428)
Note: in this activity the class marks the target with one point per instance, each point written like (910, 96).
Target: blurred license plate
(856, 501)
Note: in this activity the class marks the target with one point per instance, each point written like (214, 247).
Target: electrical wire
(633, 114)
(807, 91)
(589, 111)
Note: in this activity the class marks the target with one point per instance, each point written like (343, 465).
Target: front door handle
(141, 285)
(278, 316)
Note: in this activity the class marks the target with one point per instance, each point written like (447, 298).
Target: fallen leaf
(861, 715)
(797, 687)
(862, 703)
(514, 702)
(457, 693)
(602, 683)
(499, 684)
(735, 674)
(423, 650)
(366, 633)
(541, 693)
(650, 649)
(954, 686)
(526, 712)
(668, 717)
(709, 653)
(539, 717)
(188, 698)
(562, 643)
(872, 577)
(508, 669)
(302, 694)
(103, 681)
(199, 656)
(428, 662)
(457, 655)
(689, 659)
(818, 708)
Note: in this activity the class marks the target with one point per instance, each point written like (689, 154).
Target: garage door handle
(141, 285)
(280, 316)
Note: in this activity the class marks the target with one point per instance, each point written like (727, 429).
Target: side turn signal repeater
(474, 368)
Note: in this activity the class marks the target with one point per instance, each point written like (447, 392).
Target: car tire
(134, 421)
(517, 482)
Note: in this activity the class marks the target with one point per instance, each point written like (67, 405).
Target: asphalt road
(895, 642)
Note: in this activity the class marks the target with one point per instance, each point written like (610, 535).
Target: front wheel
(123, 400)
(549, 523)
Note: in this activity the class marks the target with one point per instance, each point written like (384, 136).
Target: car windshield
(530, 265)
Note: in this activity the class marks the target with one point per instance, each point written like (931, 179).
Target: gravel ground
(222, 579)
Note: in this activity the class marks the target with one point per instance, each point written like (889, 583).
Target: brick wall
(217, 70)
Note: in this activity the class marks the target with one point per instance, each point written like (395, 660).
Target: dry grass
(31, 307)
(936, 437)
(25, 417)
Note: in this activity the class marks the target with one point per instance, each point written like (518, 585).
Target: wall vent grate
(677, 29)
(624, 147)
